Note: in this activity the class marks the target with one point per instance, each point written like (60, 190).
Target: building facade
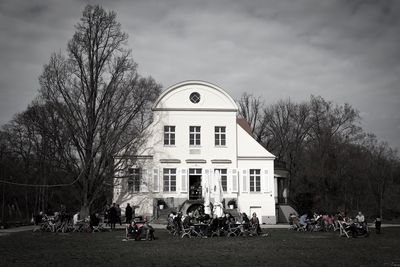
(195, 132)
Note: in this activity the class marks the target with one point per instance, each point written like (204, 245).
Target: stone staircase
(162, 215)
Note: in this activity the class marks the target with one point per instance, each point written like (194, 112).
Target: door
(195, 189)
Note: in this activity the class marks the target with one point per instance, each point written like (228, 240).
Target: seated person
(303, 220)
(197, 213)
(187, 222)
(178, 222)
(226, 221)
(205, 218)
(357, 228)
(147, 230)
(360, 218)
(38, 218)
(132, 230)
(294, 221)
(245, 222)
(75, 218)
(214, 224)
(339, 216)
(170, 221)
(255, 223)
(37, 221)
(94, 220)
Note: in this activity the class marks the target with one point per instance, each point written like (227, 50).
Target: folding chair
(302, 228)
(98, 228)
(342, 230)
(186, 232)
(234, 230)
(253, 230)
(197, 231)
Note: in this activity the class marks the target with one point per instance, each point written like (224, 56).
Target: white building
(196, 131)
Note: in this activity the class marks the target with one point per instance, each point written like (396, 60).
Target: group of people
(112, 214)
(315, 222)
(325, 222)
(357, 226)
(212, 225)
(59, 222)
(139, 230)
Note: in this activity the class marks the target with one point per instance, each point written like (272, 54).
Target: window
(194, 97)
(224, 178)
(255, 180)
(194, 171)
(220, 135)
(169, 180)
(194, 135)
(134, 177)
(169, 135)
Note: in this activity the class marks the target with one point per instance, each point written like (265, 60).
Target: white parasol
(206, 193)
(218, 195)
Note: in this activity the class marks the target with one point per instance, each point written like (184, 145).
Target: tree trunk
(85, 211)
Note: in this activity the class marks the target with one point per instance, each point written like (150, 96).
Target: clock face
(194, 97)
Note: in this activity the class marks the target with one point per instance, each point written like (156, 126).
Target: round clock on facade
(194, 97)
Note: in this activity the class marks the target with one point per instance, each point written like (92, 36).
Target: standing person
(94, 220)
(106, 212)
(118, 214)
(112, 213)
(378, 223)
(128, 213)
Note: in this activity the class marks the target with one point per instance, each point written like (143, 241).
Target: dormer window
(194, 97)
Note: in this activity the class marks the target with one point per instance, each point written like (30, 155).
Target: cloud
(343, 50)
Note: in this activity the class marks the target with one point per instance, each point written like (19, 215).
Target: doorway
(195, 190)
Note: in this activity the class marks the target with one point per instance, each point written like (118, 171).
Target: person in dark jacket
(118, 214)
(113, 215)
(245, 221)
(128, 214)
(378, 223)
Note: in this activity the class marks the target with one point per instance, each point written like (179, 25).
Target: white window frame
(134, 179)
(220, 135)
(169, 179)
(255, 180)
(169, 135)
(194, 135)
(224, 178)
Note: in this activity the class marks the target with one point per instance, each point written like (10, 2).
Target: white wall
(216, 108)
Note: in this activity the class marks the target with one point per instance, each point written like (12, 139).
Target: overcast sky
(347, 51)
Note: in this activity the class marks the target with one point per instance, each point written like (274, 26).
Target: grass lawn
(283, 248)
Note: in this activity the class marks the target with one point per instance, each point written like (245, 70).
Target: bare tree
(37, 150)
(100, 97)
(287, 126)
(380, 161)
(250, 108)
(332, 128)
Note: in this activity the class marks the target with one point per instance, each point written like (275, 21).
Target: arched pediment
(195, 95)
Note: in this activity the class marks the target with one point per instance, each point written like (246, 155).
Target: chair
(302, 227)
(199, 230)
(342, 230)
(234, 230)
(186, 232)
(98, 228)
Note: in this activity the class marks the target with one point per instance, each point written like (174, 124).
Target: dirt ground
(282, 248)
